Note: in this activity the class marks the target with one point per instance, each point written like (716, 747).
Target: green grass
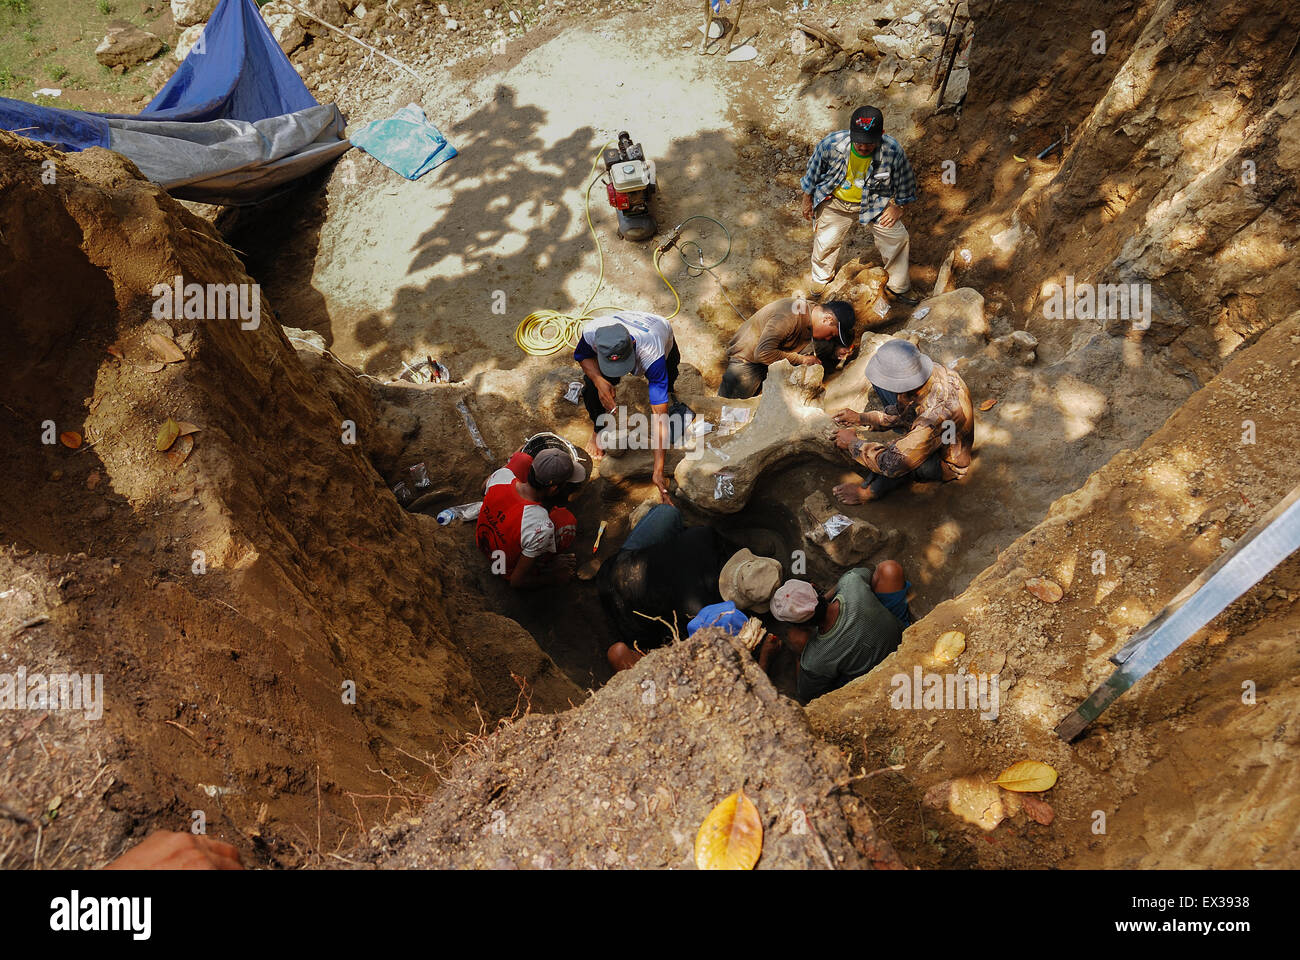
(55, 72)
(17, 6)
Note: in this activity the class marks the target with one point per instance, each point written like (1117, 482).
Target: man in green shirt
(845, 632)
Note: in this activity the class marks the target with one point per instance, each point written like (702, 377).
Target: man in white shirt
(638, 343)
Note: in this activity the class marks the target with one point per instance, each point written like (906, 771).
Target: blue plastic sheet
(405, 142)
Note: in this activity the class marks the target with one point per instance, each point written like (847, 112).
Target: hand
(807, 206)
(166, 850)
(890, 215)
(847, 417)
(605, 390)
(806, 359)
(842, 352)
(843, 438)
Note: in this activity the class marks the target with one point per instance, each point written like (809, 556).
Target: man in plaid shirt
(860, 175)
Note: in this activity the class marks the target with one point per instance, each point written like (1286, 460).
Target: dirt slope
(626, 779)
(224, 686)
(1185, 770)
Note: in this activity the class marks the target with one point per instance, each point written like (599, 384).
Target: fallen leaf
(1040, 811)
(168, 433)
(151, 367)
(185, 428)
(70, 439)
(92, 481)
(115, 350)
(1045, 590)
(164, 348)
(731, 836)
(989, 404)
(1027, 776)
(180, 450)
(1019, 159)
(949, 646)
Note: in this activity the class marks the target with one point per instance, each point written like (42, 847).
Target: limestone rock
(1020, 345)
(954, 327)
(161, 74)
(185, 42)
(861, 286)
(958, 81)
(851, 545)
(125, 45)
(284, 25)
(186, 13)
(786, 423)
(331, 11)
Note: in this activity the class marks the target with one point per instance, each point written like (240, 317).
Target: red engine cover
(619, 201)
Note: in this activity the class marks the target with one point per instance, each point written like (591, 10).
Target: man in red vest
(520, 537)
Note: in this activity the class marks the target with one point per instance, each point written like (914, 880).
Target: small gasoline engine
(630, 186)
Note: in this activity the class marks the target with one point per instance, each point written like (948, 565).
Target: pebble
(443, 11)
(451, 24)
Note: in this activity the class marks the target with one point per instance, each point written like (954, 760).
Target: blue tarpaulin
(233, 124)
(405, 142)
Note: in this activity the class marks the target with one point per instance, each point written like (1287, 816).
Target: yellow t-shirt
(855, 177)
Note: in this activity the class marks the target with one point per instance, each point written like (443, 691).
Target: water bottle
(466, 511)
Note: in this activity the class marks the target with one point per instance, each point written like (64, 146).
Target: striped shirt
(889, 178)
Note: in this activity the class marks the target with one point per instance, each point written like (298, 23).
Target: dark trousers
(930, 471)
(742, 379)
(591, 397)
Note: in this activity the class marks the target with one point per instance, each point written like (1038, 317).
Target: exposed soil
(223, 690)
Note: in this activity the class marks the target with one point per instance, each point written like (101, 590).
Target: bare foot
(594, 448)
(852, 493)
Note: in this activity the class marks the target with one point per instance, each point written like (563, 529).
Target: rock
(161, 74)
(125, 46)
(886, 69)
(861, 286)
(285, 26)
(786, 423)
(443, 11)
(958, 81)
(451, 24)
(186, 13)
(852, 544)
(887, 43)
(310, 338)
(360, 11)
(331, 11)
(954, 327)
(1020, 345)
(189, 36)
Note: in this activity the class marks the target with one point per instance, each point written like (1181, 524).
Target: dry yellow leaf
(70, 439)
(180, 450)
(1027, 776)
(168, 433)
(1046, 590)
(164, 348)
(731, 836)
(949, 646)
(989, 404)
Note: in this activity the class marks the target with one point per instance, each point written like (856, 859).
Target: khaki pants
(835, 219)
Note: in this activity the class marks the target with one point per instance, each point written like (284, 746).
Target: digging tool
(1270, 541)
(944, 49)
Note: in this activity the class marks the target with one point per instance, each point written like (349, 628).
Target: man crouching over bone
(927, 401)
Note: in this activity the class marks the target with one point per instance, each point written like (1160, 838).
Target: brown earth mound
(231, 599)
(626, 779)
